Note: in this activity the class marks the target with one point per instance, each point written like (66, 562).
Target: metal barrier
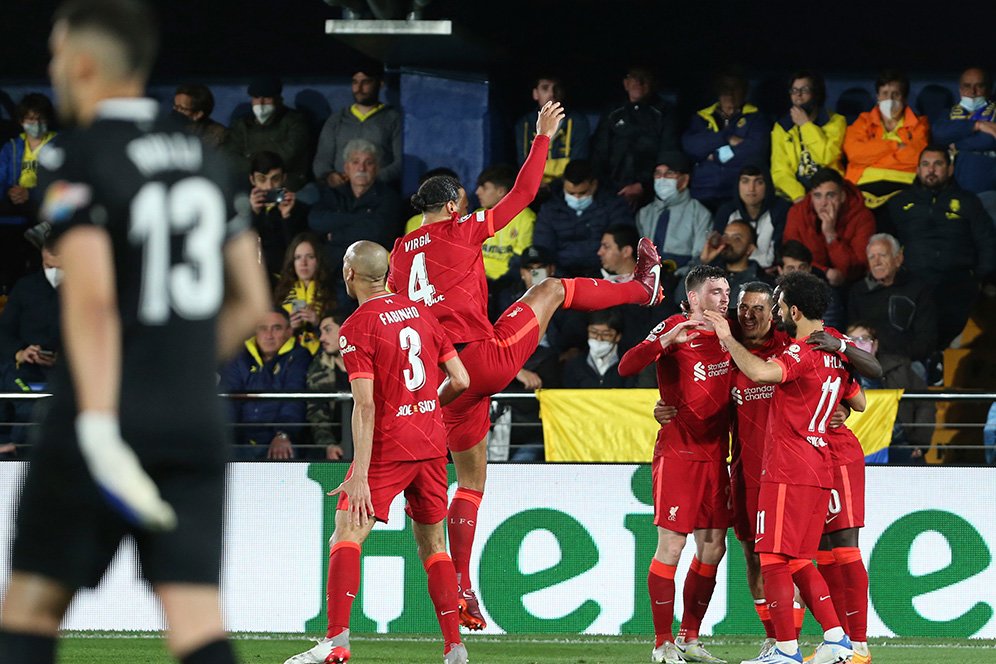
(504, 453)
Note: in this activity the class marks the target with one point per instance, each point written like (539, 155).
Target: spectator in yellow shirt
(807, 138)
(508, 243)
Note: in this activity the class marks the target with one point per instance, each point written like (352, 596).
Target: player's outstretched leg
(585, 294)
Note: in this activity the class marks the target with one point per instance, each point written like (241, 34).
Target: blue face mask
(972, 104)
(665, 188)
(578, 203)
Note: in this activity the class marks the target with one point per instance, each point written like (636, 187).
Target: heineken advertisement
(561, 549)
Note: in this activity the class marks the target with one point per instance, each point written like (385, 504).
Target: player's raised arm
(530, 176)
(246, 293)
(92, 336)
(862, 361)
(758, 370)
(648, 350)
(356, 486)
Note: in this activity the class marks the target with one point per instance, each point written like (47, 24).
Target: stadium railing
(500, 447)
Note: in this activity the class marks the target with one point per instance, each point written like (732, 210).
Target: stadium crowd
(893, 208)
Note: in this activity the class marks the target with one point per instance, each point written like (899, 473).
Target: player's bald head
(120, 35)
(368, 260)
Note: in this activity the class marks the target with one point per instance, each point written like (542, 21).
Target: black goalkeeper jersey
(168, 205)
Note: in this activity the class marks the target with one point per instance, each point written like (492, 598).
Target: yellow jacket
(824, 140)
(509, 241)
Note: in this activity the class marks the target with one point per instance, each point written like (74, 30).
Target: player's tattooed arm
(758, 370)
(862, 361)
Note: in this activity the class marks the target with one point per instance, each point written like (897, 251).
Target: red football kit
(441, 265)
(691, 482)
(750, 429)
(797, 471)
(398, 344)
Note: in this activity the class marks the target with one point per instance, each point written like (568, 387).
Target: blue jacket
(574, 239)
(286, 372)
(712, 179)
(975, 163)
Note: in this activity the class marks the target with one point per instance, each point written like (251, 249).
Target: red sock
(660, 583)
(798, 617)
(779, 592)
(830, 571)
(583, 294)
(814, 593)
(343, 584)
(761, 606)
(443, 591)
(852, 569)
(699, 584)
(462, 523)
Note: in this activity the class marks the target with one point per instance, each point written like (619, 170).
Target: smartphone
(275, 196)
(47, 353)
(298, 305)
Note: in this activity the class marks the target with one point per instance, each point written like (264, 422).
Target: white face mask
(538, 274)
(665, 188)
(34, 129)
(599, 348)
(263, 112)
(972, 104)
(887, 106)
(54, 276)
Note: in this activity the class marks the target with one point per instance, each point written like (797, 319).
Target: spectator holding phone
(29, 336)
(304, 289)
(277, 215)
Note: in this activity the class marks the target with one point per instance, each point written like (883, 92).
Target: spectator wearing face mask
(884, 144)
(914, 424)
(572, 222)
(19, 195)
(806, 138)
(600, 366)
(677, 223)
(969, 128)
(272, 126)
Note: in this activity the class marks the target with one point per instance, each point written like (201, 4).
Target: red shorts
(689, 495)
(743, 500)
(790, 519)
(492, 364)
(424, 484)
(847, 498)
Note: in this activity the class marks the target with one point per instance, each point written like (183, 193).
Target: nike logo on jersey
(758, 539)
(851, 613)
(832, 518)
(349, 594)
(446, 613)
(694, 345)
(824, 598)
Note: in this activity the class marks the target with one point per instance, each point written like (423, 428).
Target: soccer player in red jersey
(797, 472)
(690, 479)
(390, 346)
(440, 265)
(839, 557)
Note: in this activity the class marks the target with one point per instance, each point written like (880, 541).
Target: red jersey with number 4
(695, 378)
(750, 423)
(397, 343)
(813, 383)
(844, 445)
(441, 264)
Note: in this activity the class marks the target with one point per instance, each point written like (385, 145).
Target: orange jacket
(865, 147)
(855, 224)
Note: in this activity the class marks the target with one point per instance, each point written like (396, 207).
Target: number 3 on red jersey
(419, 288)
(415, 375)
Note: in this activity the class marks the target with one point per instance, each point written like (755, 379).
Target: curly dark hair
(324, 298)
(805, 291)
(435, 193)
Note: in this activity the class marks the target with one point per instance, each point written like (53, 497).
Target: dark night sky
(590, 42)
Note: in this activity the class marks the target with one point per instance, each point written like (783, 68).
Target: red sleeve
(446, 349)
(356, 353)
(792, 363)
(639, 356)
(853, 387)
(526, 185)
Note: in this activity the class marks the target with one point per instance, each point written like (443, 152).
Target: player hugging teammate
(792, 459)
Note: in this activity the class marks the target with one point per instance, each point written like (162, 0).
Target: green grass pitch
(86, 648)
